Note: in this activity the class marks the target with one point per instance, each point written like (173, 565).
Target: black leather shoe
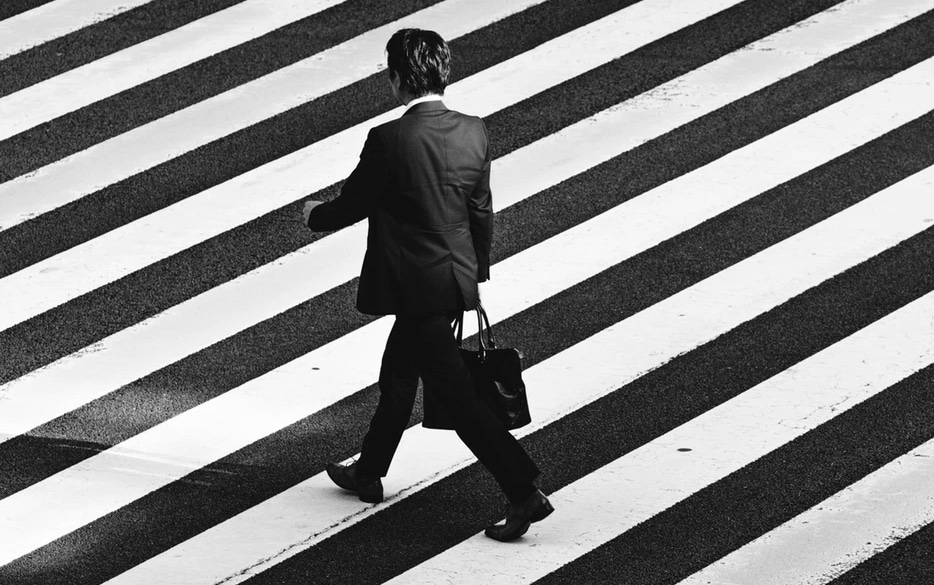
(345, 476)
(520, 516)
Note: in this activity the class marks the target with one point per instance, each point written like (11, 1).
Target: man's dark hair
(421, 59)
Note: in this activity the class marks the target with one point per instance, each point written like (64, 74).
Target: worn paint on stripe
(144, 147)
(124, 69)
(55, 19)
(88, 374)
(306, 514)
(840, 532)
(83, 268)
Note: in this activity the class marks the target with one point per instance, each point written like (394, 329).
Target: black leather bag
(497, 379)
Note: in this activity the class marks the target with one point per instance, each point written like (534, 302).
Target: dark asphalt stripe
(9, 8)
(261, 143)
(99, 313)
(910, 561)
(101, 39)
(270, 344)
(643, 410)
(758, 498)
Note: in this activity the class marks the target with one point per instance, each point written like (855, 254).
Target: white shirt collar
(425, 98)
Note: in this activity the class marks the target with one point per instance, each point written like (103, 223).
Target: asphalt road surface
(713, 245)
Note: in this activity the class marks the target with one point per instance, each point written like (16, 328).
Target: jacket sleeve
(361, 192)
(480, 212)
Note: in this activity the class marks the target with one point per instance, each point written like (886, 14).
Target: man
(423, 182)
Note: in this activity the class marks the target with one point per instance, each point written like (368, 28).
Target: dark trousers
(423, 346)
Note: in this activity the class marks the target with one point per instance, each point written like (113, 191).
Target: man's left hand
(309, 205)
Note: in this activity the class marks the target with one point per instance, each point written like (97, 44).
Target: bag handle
(482, 320)
(483, 330)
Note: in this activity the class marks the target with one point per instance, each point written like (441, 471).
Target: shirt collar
(425, 98)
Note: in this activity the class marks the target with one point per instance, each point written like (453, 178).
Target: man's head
(419, 63)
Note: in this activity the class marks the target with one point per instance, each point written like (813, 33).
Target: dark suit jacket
(423, 181)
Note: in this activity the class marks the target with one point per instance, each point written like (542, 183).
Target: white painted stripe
(312, 511)
(148, 60)
(83, 268)
(844, 530)
(167, 452)
(632, 489)
(55, 19)
(144, 147)
(207, 318)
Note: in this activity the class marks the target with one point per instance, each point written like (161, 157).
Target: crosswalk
(714, 232)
